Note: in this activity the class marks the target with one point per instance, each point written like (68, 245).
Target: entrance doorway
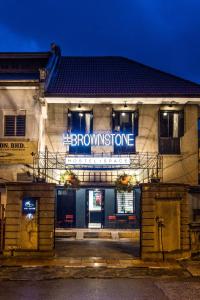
(66, 208)
(95, 208)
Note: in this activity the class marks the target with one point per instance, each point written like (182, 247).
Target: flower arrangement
(70, 179)
(125, 183)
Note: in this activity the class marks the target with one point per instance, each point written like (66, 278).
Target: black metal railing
(47, 167)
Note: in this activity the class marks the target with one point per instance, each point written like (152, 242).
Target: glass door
(95, 208)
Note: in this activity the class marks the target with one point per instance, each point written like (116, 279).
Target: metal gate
(2, 226)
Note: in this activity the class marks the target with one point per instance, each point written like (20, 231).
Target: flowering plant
(125, 183)
(70, 179)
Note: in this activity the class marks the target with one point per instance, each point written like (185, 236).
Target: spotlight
(125, 105)
(80, 115)
(79, 106)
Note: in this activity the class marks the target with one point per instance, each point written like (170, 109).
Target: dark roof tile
(114, 77)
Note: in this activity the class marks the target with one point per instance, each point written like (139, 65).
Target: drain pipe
(160, 224)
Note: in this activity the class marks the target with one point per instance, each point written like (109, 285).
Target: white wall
(176, 168)
(20, 101)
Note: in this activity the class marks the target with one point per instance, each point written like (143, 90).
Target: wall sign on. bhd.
(17, 151)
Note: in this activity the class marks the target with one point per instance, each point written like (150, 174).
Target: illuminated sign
(84, 160)
(98, 139)
(28, 206)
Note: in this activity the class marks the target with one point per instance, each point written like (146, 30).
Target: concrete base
(113, 234)
(25, 253)
(169, 256)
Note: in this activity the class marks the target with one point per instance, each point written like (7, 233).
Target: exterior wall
(165, 222)
(14, 101)
(24, 235)
(184, 168)
(185, 164)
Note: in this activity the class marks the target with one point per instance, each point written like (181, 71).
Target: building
(99, 118)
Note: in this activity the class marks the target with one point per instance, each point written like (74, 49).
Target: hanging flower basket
(125, 183)
(70, 179)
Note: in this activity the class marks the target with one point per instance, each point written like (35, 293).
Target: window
(80, 122)
(171, 124)
(15, 125)
(125, 122)
(125, 202)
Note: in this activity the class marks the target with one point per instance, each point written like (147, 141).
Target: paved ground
(96, 248)
(104, 289)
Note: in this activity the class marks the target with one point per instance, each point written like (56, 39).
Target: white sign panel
(97, 160)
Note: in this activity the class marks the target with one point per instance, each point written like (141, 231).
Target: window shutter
(181, 124)
(9, 126)
(20, 125)
(135, 124)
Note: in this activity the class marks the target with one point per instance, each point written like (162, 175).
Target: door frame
(56, 203)
(102, 206)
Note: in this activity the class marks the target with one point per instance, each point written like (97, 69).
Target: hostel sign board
(17, 151)
(80, 160)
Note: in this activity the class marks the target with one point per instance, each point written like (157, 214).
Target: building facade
(98, 120)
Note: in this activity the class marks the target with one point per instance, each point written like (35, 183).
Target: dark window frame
(167, 144)
(119, 149)
(19, 129)
(82, 150)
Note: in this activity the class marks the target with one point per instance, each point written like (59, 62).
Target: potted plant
(125, 183)
(70, 179)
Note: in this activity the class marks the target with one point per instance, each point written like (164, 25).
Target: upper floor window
(14, 125)
(171, 125)
(80, 122)
(125, 122)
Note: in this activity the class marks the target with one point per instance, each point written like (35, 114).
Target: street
(95, 289)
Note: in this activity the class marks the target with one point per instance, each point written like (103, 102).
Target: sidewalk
(93, 259)
(19, 268)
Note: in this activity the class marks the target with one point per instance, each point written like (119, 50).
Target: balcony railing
(48, 165)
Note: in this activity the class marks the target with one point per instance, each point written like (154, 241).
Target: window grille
(125, 202)
(15, 125)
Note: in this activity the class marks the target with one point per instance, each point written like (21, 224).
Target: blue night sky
(161, 33)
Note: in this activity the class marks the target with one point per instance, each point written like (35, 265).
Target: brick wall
(15, 231)
(164, 221)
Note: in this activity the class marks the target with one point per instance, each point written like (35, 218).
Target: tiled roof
(114, 77)
(22, 66)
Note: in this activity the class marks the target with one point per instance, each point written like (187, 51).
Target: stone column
(164, 222)
(27, 233)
